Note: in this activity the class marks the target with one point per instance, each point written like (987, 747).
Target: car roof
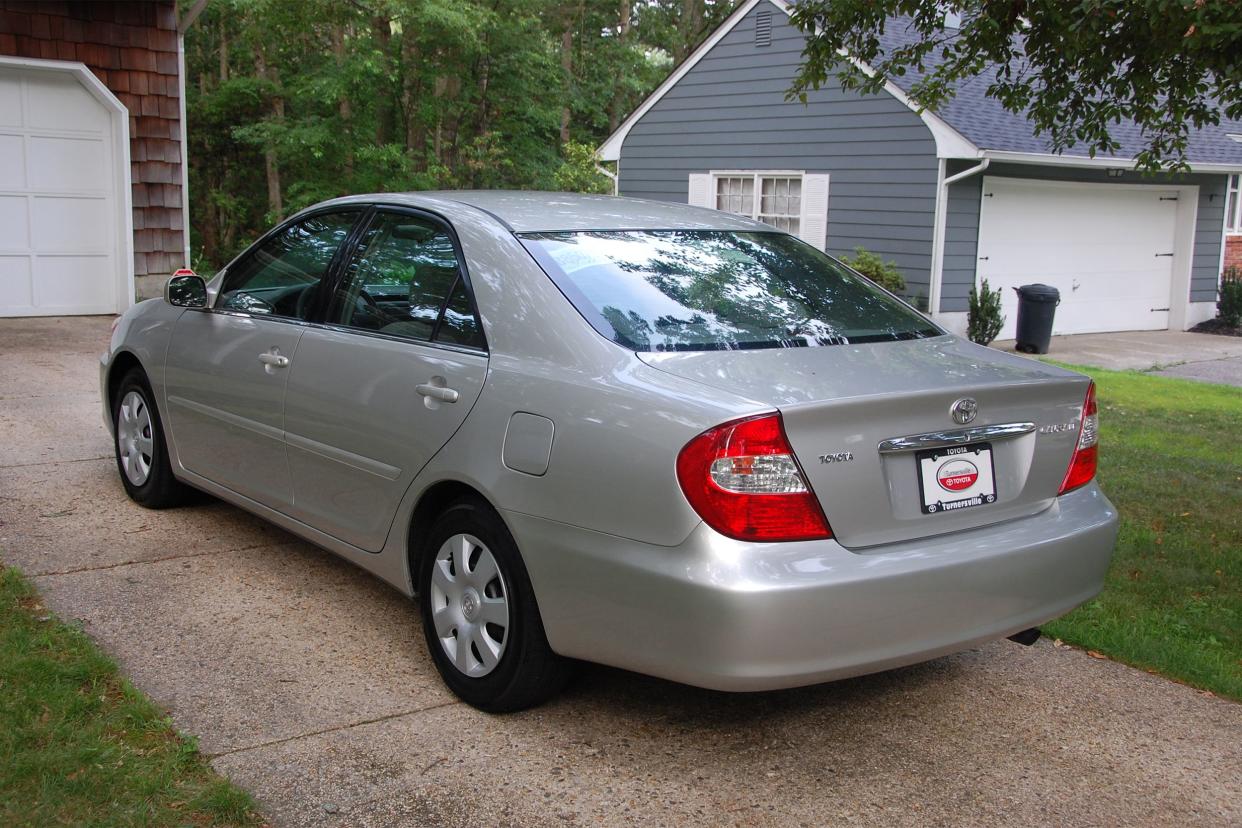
(524, 211)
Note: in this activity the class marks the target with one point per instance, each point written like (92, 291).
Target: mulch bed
(1218, 327)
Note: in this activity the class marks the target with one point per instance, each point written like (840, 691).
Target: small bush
(1229, 308)
(885, 274)
(579, 173)
(985, 319)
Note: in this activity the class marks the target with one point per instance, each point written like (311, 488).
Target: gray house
(963, 195)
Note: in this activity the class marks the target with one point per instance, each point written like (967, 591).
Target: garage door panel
(10, 100)
(15, 286)
(75, 282)
(1102, 246)
(62, 224)
(13, 231)
(62, 103)
(75, 164)
(12, 163)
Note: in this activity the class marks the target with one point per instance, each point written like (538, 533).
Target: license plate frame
(938, 477)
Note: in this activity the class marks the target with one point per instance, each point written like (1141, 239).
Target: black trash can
(1037, 305)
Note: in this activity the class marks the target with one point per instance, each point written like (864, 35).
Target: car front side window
(400, 281)
(282, 275)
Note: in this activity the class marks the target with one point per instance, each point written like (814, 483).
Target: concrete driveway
(1205, 357)
(307, 682)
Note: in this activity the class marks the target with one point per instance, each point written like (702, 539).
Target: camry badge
(964, 410)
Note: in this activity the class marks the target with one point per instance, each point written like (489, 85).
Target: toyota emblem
(964, 410)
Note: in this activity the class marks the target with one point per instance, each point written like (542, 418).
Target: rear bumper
(731, 615)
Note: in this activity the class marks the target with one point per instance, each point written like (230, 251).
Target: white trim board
(121, 179)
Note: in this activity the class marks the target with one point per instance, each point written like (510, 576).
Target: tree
(1075, 68)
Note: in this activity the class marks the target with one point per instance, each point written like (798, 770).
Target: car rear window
(708, 290)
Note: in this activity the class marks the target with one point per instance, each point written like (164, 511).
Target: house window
(774, 199)
(1233, 206)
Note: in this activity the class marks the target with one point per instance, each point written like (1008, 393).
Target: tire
(502, 668)
(141, 451)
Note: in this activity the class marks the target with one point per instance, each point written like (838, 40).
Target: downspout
(938, 231)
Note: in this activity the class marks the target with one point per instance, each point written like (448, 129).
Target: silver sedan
(664, 438)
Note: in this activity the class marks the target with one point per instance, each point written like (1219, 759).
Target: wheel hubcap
(135, 441)
(469, 605)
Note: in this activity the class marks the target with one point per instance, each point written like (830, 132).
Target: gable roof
(971, 124)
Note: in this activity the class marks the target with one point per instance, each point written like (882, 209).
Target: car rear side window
(705, 290)
(282, 275)
(405, 279)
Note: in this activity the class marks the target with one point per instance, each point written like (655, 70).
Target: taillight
(743, 480)
(1086, 453)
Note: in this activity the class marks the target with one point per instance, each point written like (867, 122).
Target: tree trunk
(689, 28)
(344, 108)
(275, 203)
(411, 83)
(616, 105)
(385, 116)
(224, 51)
(567, 65)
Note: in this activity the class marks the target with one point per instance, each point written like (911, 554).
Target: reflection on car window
(701, 290)
(398, 282)
(281, 276)
(459, 326)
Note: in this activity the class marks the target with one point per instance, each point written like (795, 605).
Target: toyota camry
(664, 438)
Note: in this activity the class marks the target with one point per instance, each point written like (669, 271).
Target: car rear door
(378, 389)
(227, 365)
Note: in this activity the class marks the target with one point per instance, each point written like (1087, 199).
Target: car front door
(378, 389)
(227, 365)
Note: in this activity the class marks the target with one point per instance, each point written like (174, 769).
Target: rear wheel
(479, 614)
(141, 452)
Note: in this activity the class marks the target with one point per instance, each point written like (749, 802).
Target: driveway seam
(55, 462)
(211, 757)
(157, 560)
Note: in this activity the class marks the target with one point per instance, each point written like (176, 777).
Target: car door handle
(274, 360)
(437, 392)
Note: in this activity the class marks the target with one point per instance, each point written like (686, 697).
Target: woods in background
(292, 102)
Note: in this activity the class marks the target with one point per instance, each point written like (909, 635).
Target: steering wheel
(368, 301)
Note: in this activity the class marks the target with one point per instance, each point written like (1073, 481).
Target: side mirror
(186, 291)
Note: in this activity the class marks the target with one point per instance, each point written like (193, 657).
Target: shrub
(579, 173)
(885, 274)
(1229, 308)
(985, 319)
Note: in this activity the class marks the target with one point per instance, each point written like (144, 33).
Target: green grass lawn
(80, 746)
(1171, 460)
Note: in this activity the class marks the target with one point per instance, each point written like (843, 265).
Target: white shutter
(815, 210)
(700, 190)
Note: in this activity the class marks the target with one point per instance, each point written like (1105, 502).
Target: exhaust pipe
(1027, 637)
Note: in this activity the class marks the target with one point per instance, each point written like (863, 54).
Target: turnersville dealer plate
(956, 478)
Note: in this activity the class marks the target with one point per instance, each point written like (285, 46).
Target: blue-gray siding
(729, 112)
(962, 224)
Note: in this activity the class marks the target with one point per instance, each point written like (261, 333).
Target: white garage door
(1108, 249)
(59, 239)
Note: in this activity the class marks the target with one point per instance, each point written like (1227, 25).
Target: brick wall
(132, 48)
(1233, 252)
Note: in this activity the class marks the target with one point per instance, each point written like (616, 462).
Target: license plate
(955, 478)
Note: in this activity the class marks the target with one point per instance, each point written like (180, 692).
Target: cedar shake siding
(132, 48)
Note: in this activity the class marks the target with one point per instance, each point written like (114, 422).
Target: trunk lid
(839, 403)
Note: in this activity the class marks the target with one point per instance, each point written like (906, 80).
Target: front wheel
(141, 452)
(479, 614)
